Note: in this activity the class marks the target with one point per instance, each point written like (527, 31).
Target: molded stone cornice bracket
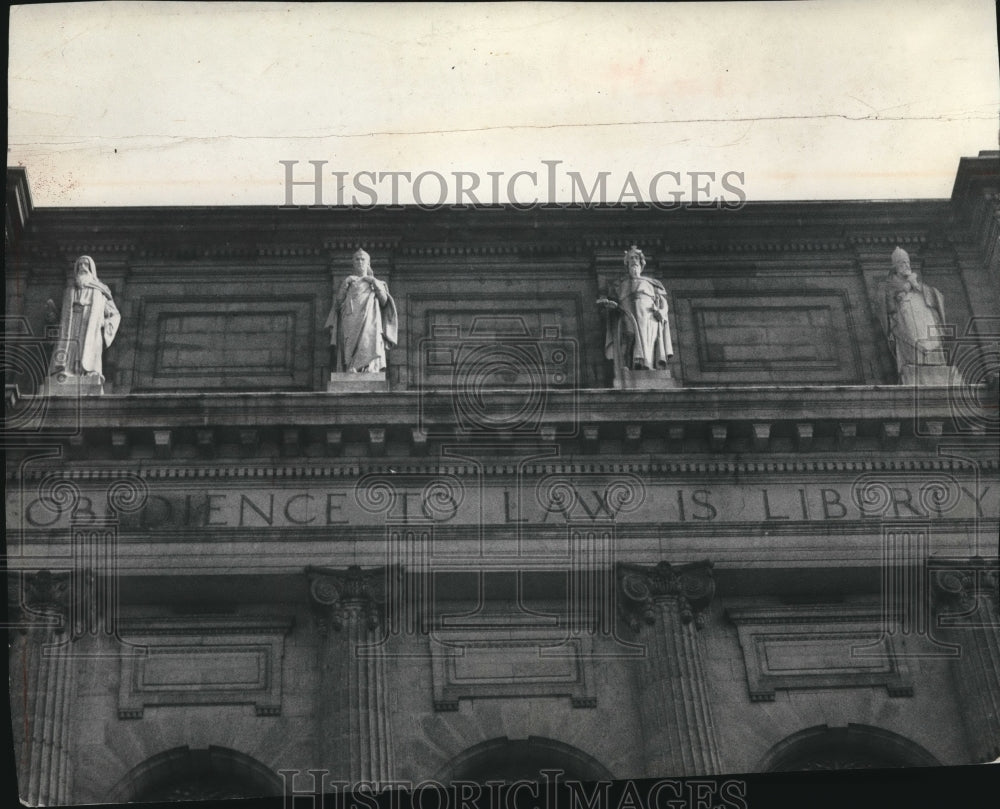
(804, 436)
(342, 595)
(693, 585)
(334, 442)
(206, 443)
(761, 436)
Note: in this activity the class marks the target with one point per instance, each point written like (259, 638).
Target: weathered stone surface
(506, 481)
(347, 382)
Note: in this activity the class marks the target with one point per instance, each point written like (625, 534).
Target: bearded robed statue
(88, 323)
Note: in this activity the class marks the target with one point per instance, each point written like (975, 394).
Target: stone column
(665, 605)
(41, 690)
(966, 598)
(354, 720)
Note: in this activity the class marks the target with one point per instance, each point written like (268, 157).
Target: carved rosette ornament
(968, 614)
(345, 595)
(692, 585)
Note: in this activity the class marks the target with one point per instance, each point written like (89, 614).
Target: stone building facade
(497, 560)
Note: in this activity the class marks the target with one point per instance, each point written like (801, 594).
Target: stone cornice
(206, 624)
(784, 614)
(193, 233)
(690, 471)
(649, 533)
(436, 408)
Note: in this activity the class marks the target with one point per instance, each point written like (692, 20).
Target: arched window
(509, 760)
(183, 774)
(856, 747)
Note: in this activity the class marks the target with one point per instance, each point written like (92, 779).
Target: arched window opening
(183, 774)
(856, 747)
(509, 760)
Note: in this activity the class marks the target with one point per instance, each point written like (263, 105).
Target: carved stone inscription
(549, 501)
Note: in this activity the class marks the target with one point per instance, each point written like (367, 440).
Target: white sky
(189, 103)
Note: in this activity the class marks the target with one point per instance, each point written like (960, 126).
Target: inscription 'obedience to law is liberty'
(547, 503)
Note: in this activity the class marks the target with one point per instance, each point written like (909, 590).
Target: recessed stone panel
(209, 661)
(824, 646)
(476, 663)
(247, 343)
(504, 341)
(783, 336)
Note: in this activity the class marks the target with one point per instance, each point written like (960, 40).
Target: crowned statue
(637, 333)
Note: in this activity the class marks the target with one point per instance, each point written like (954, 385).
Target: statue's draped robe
(914, 315)
(88, 323)
(360, 327)
(634, 336)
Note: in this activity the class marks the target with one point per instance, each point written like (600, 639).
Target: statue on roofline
(88, 323)
(637, 335)
(363, 322)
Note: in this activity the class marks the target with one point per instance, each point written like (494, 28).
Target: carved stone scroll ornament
(692, 585)
(46, 593)
(348, 594)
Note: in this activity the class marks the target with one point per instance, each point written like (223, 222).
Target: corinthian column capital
(44, 596)
(642, 587)
(347, 594)
(961, 585)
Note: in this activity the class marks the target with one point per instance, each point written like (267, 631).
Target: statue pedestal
(928, 376)
(645, 380)
(356, 383)
(73, 386)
